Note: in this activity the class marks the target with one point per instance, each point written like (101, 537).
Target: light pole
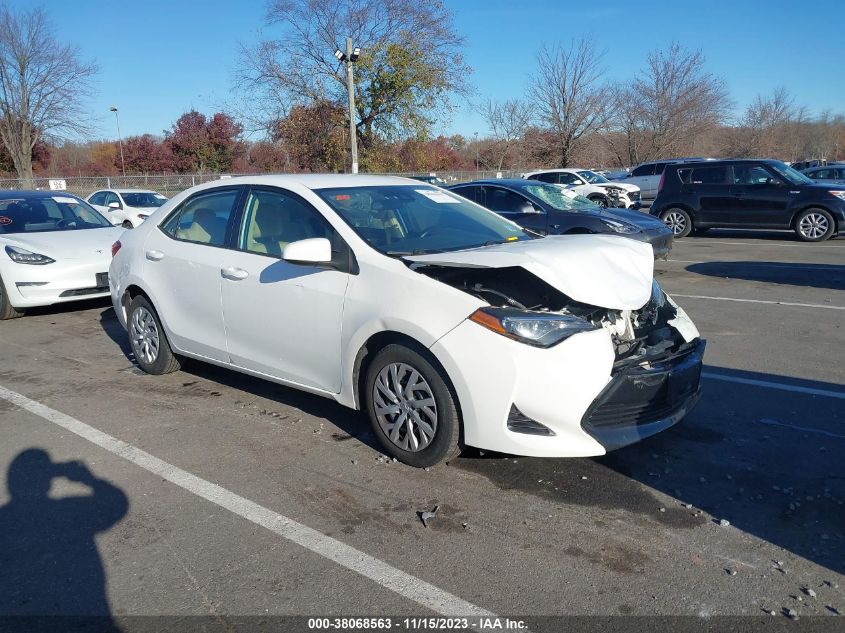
(119, 140)
(349, 57)
(476, 152)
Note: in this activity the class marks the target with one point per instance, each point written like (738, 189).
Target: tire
(814, 225)
(7, 310)
(678, 220)
(405, 364)
(127, 225)
(144, 327)
(600, 200)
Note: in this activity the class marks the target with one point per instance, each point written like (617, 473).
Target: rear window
(703, 175)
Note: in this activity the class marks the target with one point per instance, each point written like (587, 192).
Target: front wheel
(7, 310)
(411, 407)
(148, 340)
(678, 220)
(814, 225)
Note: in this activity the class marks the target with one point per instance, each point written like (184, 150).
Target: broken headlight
(620, 227)
(540, 329)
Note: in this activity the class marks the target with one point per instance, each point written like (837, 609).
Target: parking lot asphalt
(220, 471)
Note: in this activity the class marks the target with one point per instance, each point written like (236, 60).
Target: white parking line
(775, 385)
(382, 573)
(775, 303)
(803, 429)
(761, 243)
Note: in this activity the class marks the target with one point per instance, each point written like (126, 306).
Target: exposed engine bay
(638, 335)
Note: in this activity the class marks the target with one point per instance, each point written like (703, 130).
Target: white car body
(575, 180)
(80, 256)
(125, 215)
(307, 327)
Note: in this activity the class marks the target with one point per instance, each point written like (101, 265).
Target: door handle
(235, 274)
(155, 256)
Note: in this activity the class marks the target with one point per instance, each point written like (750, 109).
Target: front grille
(615, 413)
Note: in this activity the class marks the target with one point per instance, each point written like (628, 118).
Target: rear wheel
(678, 220)
(148, 340)
(411, 407)
(7, 310)
(814, 225)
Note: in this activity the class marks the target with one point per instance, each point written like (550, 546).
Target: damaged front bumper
(646, 398)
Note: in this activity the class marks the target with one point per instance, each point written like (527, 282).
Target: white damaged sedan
(449, 325)
(55, 248)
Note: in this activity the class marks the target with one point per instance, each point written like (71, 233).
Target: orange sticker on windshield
(4, 220)
(342, 196)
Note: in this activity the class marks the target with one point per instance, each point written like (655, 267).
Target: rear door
(761, 196)
(646, 177)
(515, 207)
(182, 265)
(707, 190)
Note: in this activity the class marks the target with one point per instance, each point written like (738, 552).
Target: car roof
(729, 161)
(130, 190)
(507, 182)
(319, 181)
(33, 193)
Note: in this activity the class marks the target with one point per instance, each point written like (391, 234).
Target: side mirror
(528, 209)
(114, 205)
(315, 250)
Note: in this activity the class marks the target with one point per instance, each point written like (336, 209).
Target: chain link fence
(170, 185)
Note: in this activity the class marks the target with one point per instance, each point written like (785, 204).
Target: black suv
(749, 194)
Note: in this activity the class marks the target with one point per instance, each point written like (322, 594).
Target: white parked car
(126, 207)
(591, 185)
(447, 323)
(55, 248)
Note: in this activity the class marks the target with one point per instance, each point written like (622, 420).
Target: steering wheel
(62, 224)
(433, 229)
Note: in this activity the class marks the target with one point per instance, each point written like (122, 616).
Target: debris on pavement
(724, 522)
(792, 614)
(808, 592)
(426, 515)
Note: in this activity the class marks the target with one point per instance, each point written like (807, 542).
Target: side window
(822, 174)
(565, 178)
(203, 218)
(840, 173)
(274, 219)
(466, 192)
(643, 170)
(111, 196)
(545, 177)
(98, 198)
(752, 175)
(504, 201)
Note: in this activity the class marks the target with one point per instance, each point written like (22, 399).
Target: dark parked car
(553, 209)
(749, 194)
(832, 172)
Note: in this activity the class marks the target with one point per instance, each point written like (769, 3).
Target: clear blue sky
(160, 58)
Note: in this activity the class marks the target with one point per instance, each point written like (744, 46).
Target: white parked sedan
(448, 324)
(126, 207)
(55, 248)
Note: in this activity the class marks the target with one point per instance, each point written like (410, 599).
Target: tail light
(115, 247)
(662, 181)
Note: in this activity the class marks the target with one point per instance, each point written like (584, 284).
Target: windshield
(50, 213)
(592, 177)
(791, 175)
(412, 220)
(562, 199)
(144, 199)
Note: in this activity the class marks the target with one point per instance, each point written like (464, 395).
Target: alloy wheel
(144, 335)
(813, 226)
(405, 407)
(675, 221)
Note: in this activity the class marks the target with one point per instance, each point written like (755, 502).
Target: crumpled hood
(600, 270)
(81, 244)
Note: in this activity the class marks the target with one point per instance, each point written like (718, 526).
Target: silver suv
(646, 176)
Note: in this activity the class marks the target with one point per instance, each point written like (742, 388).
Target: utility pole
(351, 56)
(119, 140)
(476, 152)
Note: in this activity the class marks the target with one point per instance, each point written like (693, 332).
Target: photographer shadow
(48, 554)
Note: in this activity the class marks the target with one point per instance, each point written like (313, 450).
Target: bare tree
(508, 121)
(572, 101)
(670, 104)
(761, 129)
(41, 81)
(410, 62)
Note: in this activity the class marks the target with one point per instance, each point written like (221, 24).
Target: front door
(762, 197)
(515, 207)
(283, 319)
